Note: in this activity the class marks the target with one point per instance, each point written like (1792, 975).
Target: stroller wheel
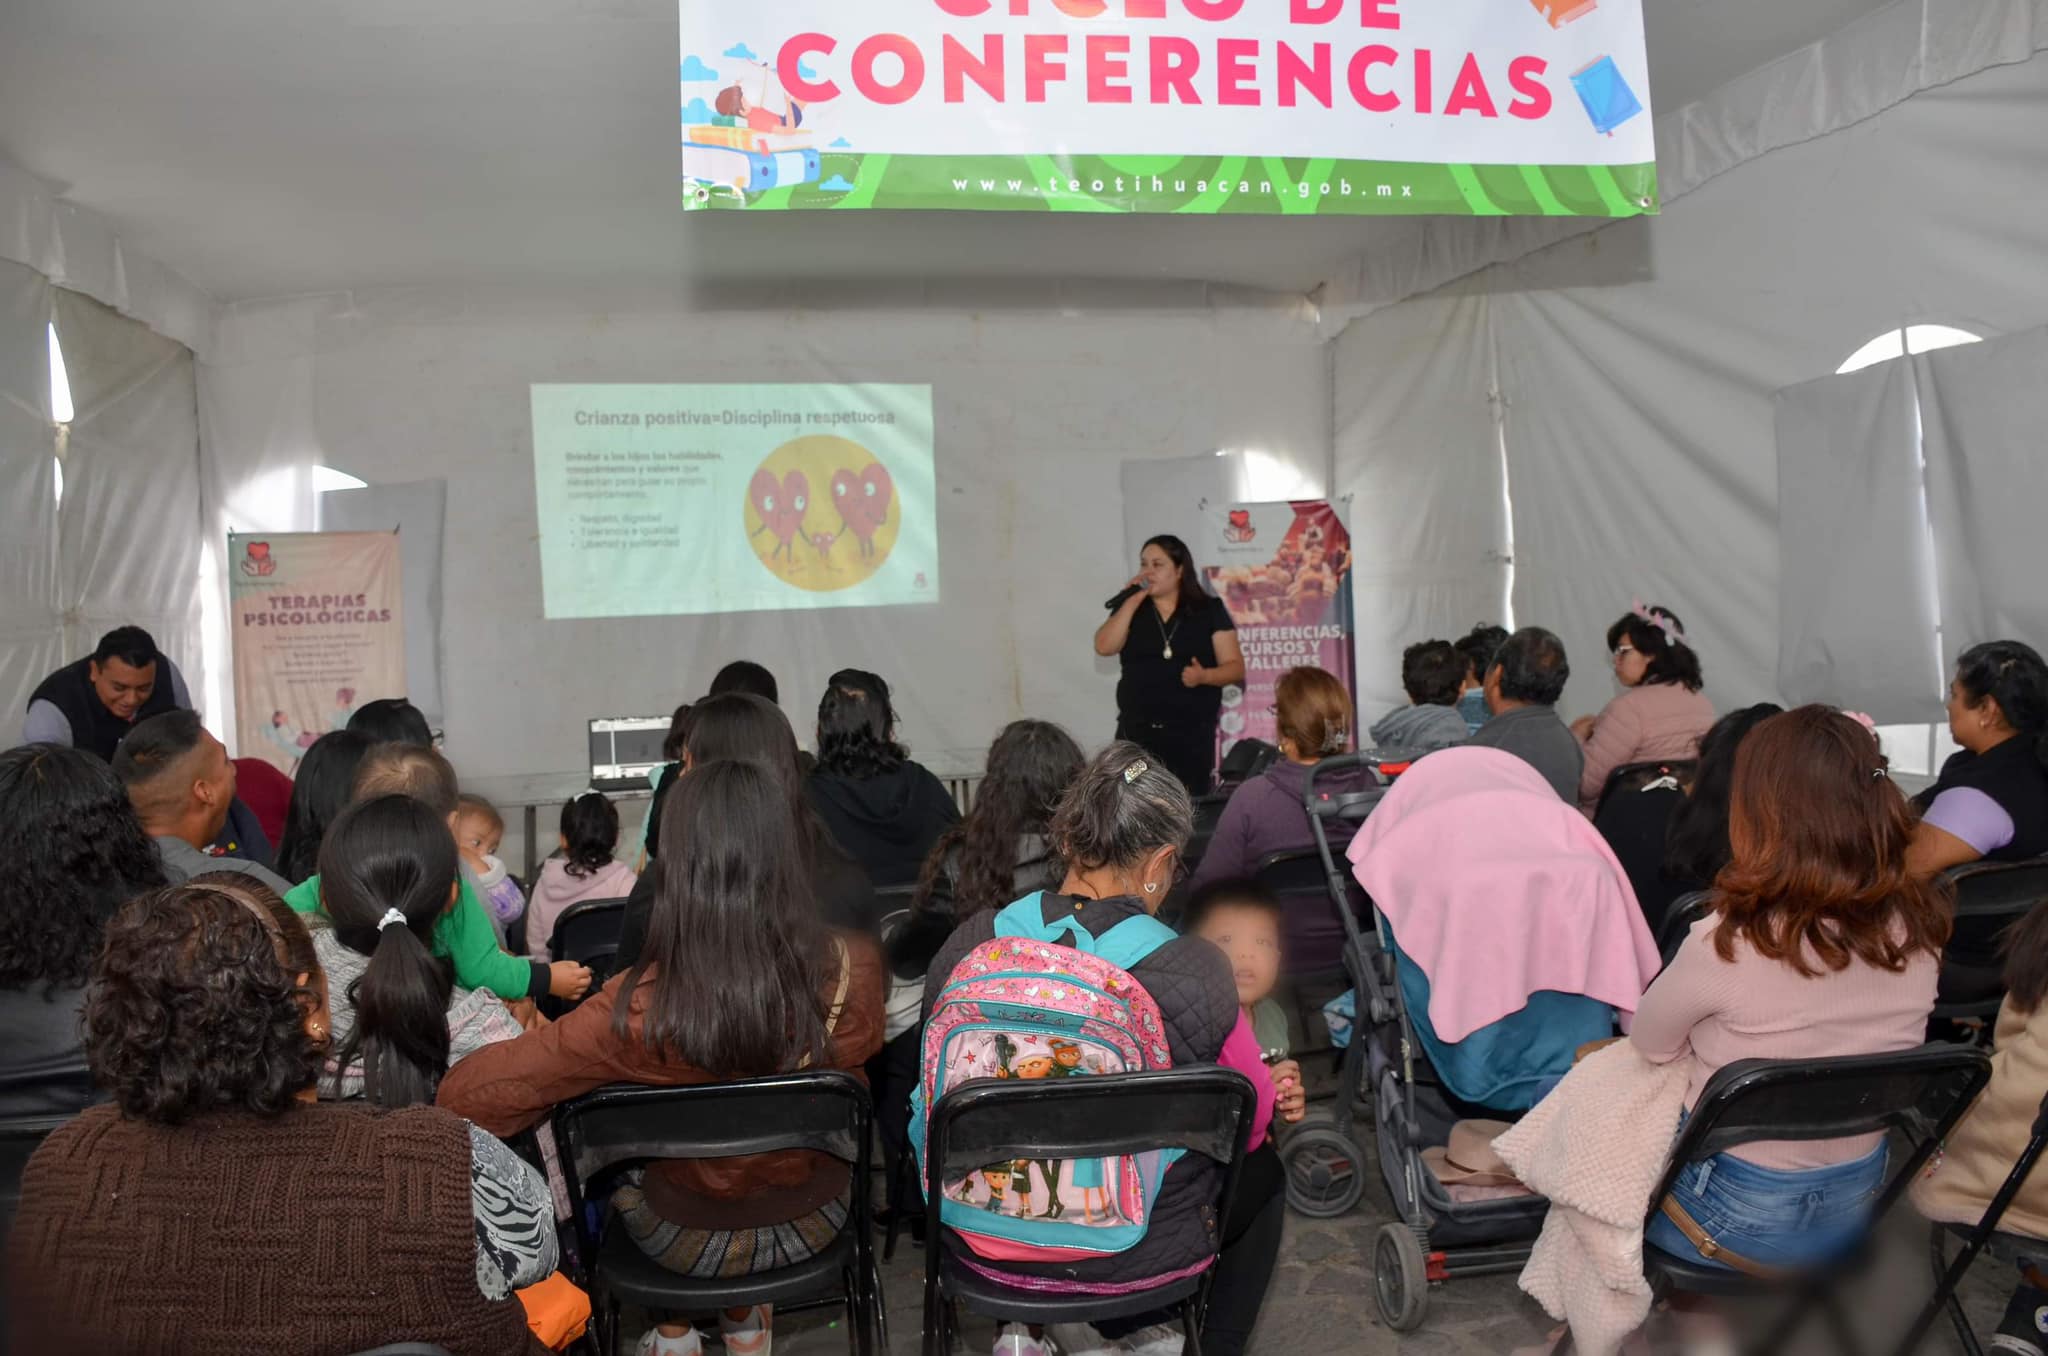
(1325, 1171)
(1400, 1277)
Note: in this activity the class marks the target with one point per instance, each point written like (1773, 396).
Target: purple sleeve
(1972, 816)
(1241, 1052)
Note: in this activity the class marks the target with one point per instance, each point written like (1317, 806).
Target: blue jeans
(1770, 1216)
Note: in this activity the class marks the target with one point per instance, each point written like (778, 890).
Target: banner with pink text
(1283, 107)
(1284, 571)
(318, 626)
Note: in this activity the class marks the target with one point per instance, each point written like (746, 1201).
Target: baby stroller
(1421, 1087)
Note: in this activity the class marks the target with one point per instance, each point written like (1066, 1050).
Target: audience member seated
(1510, 925)
(479, 832)
(1673, 839)
(393, 720)
(398, 1020)
(1991, 800)
(1269, 813)
(740, 978)
(266, 793)
(1119, 828)
(93, 703)
(1479, 647)
(1522, 686)
(463, 936)
(325, 784)
(882, 808)
(743, 677)
(741, 727)
(1001, 851)
(181, 782)
(1819, 945)
(663, 778)
(1660, 712)
(583, 869)
(74, 855)
(1981, 1150)
(207, 1022)
(1243, 921)
(1432, 673)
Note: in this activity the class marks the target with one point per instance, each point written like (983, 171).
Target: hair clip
(1672, 631)
(390, 917)
(1861, 719)
(1138, 768)
(1878, 774)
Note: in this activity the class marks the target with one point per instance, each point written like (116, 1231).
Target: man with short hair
(181, 782)
(1432, 673)
(1522, 689)
(463, 935)
(95, 702)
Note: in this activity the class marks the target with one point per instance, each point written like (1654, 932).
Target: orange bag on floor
(557, 1311)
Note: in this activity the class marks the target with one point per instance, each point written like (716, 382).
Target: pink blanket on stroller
(1498, 890)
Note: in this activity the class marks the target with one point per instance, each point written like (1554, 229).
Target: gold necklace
(1165, 635)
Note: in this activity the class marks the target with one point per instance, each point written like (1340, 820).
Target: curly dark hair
(195, 1003)
(75, 853)
(857, 727)
(1029, 767)
(590, 828)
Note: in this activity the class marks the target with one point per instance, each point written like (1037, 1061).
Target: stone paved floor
(1321, 1301)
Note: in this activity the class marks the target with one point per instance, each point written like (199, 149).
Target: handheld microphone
(1124, 597)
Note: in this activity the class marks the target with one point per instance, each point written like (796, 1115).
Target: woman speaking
(1178, 648)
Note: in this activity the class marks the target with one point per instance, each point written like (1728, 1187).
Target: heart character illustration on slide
(862, 499)
(780, 508)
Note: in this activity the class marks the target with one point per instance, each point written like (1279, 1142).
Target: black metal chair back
(1949, 1274)
(1205, 1109)
(1636, 776)
(1919, 1094)
(1315, 937)
(1990, 898)
(1685, 910)
(603, 1133)
(588, 933)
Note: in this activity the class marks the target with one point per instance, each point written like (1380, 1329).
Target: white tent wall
(1035, 414)
(1638, 364)
(31, 614)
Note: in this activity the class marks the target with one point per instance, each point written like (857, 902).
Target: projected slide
(663, 500)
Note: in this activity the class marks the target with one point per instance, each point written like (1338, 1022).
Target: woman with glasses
(1660, 712)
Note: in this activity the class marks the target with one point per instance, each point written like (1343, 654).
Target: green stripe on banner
(1222, 188)
(1475, 196)
(873, 169)
(1539, 189)
(1610, 192)
(1062, 200)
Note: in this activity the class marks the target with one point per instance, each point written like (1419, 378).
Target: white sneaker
(652, 1343)
(1160, 1339)
(1014, 1339)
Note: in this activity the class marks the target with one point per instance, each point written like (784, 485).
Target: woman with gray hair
(1119, 831)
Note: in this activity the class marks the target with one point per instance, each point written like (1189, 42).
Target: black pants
(892, 1075)
(1251, 1245)
(1187, 750)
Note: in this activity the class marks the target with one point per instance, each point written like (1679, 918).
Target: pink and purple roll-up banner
(1284, 571)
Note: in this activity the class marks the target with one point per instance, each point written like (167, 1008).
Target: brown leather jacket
(508, 1087)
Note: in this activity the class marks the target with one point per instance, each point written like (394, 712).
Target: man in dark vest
(91, 704)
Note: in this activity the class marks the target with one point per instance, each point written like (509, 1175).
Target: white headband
(391, 916)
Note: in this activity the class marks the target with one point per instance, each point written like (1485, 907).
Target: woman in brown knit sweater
(740, 978)
(216, 1206)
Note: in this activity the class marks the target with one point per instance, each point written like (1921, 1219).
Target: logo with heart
(822, 513)
(1239, 528)
(257, 560)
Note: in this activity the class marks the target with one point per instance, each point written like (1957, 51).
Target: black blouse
(1150, 688)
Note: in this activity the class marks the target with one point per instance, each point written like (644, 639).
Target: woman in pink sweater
(1660, 712)
(583, 869)
(1819, 944)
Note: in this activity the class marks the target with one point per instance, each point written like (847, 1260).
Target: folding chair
(1919, 1093)
(1204, 1109)
(1976, 1238)
(1990, 897)
(1685, 910)
(620, 1127)
(588, 933)
(1636, 776)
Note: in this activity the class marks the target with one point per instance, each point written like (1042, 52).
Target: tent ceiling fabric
(264, 149)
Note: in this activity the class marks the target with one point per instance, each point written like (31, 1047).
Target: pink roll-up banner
(1284, 572)
(318, 624)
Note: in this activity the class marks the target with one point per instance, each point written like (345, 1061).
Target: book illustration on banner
(1605, 93)
(751, 138)
(1558, 13)
(822, 513)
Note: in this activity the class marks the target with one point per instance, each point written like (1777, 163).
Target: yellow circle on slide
(822, 513)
